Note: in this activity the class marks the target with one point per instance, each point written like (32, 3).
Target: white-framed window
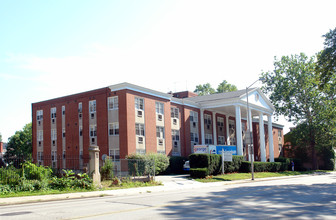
(220, 122)
(139, 103)
(160, 132)
(39, 115)
(63, 110)
(194, 137)
(40, 135)
(114, 129)
(232, 132)
(221, 140)
(114, 154)
(53, 134)
(92, 106)
(208, 138)
(80, 131)
(53, 113)
(207, 119)
(174, 112)
(175, 135)
(159, 108)
(93, 130)
(63, 132)
(193, 116)
(80, 110)
(39, 156)
(140, 129)
(113, 103)
(54, 155)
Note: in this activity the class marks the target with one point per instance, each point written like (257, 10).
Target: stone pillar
(262, 138)
(227, 130)
(270, 138)
(239, 132)
(214, 130)
(202, 126)
(94, 165)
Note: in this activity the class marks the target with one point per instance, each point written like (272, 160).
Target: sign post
(226, 156)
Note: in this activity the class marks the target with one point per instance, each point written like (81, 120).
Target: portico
(232, 107)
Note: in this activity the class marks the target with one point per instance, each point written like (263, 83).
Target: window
(40, 135)
(63, 110)
(194, 137)
(220, 121)
(53, 134)
(207, 119)
(80, 131)
(39, 156)
(208, 138)
(114, 129)
(139, 129)
(53, 155)
(175, 135)
(93, 131)
(193, 116)
(160, 132)
(159, 108)
(92, 106)
(232, 132)
(63, 132)
(39, 115)
(139, 103)
(53, 114)
(221, 140)
(80, 107)
(174, 112)
(113, 103)
(114, 154)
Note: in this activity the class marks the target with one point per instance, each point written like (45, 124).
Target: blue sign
(233, 149)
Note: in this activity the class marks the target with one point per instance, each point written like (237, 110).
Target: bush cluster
(32, 178)
(176, 165)
(261, 166)
(142, 165)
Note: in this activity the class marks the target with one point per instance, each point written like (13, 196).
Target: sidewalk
(170, 183)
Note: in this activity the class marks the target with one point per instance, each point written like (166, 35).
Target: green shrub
(10, 176)
(176, 164)
(261, 166)
(199, 172)
(199, 160)
(106, 170)
(245, 167)
(33, 172)
(285, 163)
(161, 162)
(234, 166)
(144, 164)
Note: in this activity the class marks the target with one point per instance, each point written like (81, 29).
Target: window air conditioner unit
(160, 117)
(39, 122)
(194, 124)
(140, 140)
(175, 144)
(208, 126)
(174, 121)
(160, 141)
(54, 164)
(80, 115)
(140, 114)
(93, 140)
(40, 143)
(92, 115)
(53, 121)
(53, 142)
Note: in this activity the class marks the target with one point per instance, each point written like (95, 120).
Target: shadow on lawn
(259, 202)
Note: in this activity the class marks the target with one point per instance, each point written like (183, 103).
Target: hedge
(213, 162)
(199, 172)
(176, 164)
(139, 164)
(261, 167)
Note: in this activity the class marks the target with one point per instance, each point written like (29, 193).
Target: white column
(239, 132)
(262, 138)
(214, 130)
(270, 138)
(249, 116)
(202, 126)
(227, 130)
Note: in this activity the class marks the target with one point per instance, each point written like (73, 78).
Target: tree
(20, 144)
(204, 89)
(226, 87)
(293, 89)
(326, 60)
(0, 137)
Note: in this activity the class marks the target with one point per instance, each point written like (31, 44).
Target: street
(306, 197)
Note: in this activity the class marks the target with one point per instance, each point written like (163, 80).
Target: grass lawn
(106, 185)
(242, 176)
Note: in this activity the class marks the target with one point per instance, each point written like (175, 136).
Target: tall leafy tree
(326, 60)
(204, 89)
(20, 144)
(226, 87)
(293, 89)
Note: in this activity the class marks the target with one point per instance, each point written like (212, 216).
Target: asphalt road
(308, 197)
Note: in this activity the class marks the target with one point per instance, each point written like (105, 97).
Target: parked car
(186, 166)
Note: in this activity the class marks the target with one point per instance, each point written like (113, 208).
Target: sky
(50, 49)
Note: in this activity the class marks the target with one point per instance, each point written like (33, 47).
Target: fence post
(94, 165)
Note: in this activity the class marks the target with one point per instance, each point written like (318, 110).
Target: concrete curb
(168, 186)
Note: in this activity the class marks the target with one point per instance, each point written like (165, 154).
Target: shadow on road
(259, 202)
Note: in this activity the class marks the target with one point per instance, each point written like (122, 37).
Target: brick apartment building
(125, 119)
